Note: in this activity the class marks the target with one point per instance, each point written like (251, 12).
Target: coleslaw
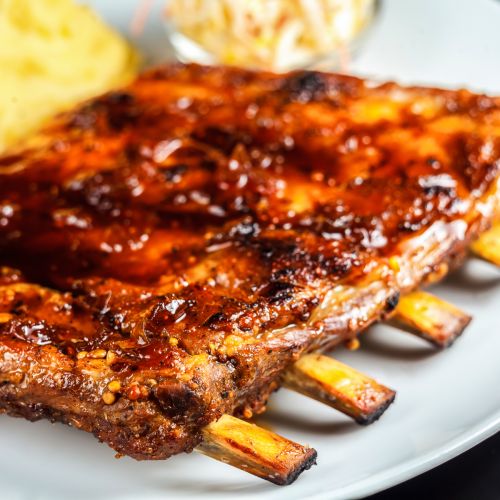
(277, 35)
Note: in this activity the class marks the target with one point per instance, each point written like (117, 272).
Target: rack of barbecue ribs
(177, 250)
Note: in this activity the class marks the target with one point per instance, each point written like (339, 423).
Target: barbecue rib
(208, 226)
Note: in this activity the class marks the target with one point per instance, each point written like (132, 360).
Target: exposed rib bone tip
(255, 450)
(430, 318)
(487, 246)
(337, 385)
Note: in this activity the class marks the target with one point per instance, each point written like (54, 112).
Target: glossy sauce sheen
(198, 218)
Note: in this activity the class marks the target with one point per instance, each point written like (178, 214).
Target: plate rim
(393, 476)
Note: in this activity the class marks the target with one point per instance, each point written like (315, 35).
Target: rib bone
(487, 246)
(339, 386)
(430, 318)
(255, 450)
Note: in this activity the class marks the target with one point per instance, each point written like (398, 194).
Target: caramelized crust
(205, 227)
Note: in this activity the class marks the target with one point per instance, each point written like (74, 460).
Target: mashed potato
(53, 53)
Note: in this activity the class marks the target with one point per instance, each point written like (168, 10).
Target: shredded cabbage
(270, 34)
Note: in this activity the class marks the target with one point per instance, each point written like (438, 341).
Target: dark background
(474, 475)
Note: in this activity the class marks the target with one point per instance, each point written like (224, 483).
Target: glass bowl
(188, 50)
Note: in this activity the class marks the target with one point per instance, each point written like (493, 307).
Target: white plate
(447, 401)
